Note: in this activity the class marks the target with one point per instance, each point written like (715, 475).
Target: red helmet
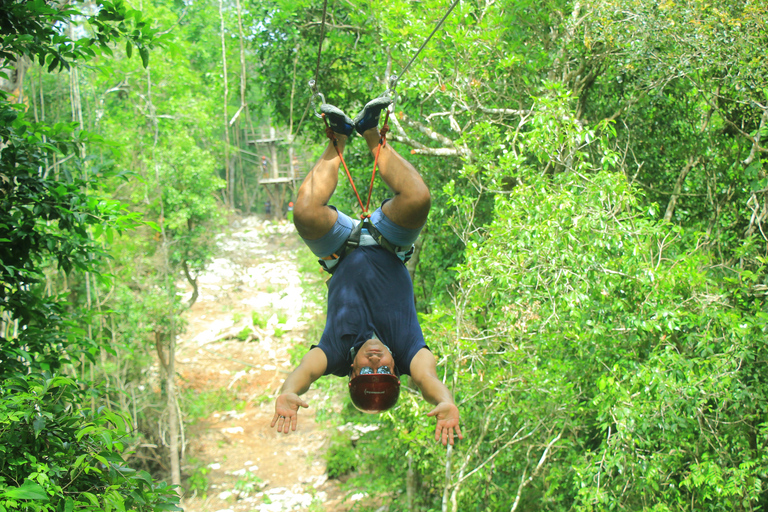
(374, 392)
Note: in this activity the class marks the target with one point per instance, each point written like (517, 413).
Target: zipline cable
(440, 24)
(384, 129)
(317, 66)
(322, 36)
(313, 83)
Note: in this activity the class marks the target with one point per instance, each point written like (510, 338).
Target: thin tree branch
(524, 482)
(678, 187)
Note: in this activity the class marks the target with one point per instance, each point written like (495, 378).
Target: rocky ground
(255, 305)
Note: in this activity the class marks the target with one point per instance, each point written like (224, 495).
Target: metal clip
(316, 94)
(391, 92)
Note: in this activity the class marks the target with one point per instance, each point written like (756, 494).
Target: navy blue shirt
(370, 292)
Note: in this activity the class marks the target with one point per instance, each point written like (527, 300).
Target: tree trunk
(168, 366)
(243, 104)
(678, 187)
(169, 369)
(410, 483)
(227, 165)
(14, 82)
(173, 416)
(447, 486)
(414, 261)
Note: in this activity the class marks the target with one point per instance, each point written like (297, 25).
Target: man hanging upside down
(372, 334)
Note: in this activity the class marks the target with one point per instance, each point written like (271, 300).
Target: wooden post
(273, 152)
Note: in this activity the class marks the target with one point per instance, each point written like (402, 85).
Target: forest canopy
(592, 278)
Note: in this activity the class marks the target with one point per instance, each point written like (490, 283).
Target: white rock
(364, 429)
(320, 480)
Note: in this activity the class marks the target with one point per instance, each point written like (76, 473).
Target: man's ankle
(372, 136)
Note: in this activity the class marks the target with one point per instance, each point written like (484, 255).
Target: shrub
(56, 456)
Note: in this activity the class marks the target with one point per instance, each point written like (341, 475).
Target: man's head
(373, 383)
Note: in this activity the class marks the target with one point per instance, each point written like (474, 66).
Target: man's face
(373, 354)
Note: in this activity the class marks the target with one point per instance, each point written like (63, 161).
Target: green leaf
(146, 477)
(128, 49)
(79, 461)
(144, 52)
(38, 425)
(92, 498)
(29, 490)
(85, 431)
(167, 506)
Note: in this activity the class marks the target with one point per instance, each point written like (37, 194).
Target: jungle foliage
(593, 276)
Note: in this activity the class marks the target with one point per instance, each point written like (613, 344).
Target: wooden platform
(278, 180)
(265, 141)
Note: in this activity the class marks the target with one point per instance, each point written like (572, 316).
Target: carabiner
(316, 94)
(391, 92)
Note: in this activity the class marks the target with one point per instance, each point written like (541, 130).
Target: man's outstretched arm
(311, 368)
(424, 374)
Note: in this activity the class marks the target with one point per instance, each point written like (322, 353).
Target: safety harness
(356, 239)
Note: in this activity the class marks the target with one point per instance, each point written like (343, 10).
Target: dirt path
(253, 290)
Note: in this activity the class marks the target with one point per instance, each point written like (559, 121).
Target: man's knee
(312, 221)
(303, 217)
(305, 207)
(425, 197)
(421, 201)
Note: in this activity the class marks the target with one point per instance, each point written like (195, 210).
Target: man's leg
(410, 205)
(312, 216)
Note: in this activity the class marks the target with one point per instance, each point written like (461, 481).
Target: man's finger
(294, 421)
(274, 420)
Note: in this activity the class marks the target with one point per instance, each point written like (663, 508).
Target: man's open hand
(447, 415)
(287, 412)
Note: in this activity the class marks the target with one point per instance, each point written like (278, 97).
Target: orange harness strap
(382, 142)
(329, 133)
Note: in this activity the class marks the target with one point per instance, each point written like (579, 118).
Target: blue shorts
(332, 241)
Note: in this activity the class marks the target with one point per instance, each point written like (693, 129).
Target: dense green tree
(584, 131)
(57, 453)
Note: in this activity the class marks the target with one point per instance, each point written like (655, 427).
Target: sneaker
(369, 117)
(337, 120)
